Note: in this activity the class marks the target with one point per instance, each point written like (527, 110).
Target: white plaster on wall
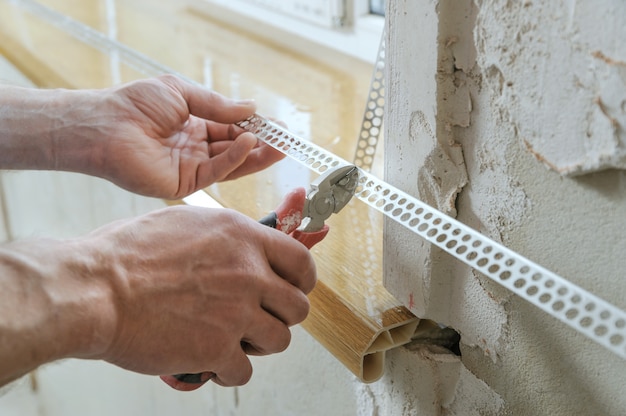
(426, 380)
(537, 365)
(430, 117)
(426, 158)
(552, 56)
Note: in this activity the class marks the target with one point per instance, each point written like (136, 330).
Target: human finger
(220, 165)
(258, 158)
(286, 302)
(268, 335)
(209, 104)
(291, 260)
(234, 371)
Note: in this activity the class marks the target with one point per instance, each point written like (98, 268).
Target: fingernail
(246, 101)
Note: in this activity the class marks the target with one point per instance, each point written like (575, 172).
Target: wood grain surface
(352, 314)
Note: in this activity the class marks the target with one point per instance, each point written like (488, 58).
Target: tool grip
(188, 382)
(293, 203)
(193, 381)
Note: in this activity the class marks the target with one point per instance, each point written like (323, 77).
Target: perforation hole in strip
(583, 311)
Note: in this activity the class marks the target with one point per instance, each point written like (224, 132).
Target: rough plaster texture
(546, 87)
(566, 55)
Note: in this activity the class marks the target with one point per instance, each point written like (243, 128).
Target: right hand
(197, 289)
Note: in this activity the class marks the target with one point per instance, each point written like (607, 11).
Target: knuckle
(309, 275)
(169, 79)
(243, 377)
(284, 341)
(301, 310)
(236, 375)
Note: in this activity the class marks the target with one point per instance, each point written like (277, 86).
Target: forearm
(47, 129)
(51, 307)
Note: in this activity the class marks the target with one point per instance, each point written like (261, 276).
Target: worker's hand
(164, 137)
(197, 290)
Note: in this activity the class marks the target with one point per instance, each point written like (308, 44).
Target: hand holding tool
(303, 217)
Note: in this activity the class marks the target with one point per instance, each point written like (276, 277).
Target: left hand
(164, 137)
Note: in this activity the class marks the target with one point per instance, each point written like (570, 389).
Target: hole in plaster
(430, 333)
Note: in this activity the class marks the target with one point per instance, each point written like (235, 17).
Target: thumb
(211, 105)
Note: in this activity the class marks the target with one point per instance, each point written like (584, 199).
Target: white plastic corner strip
(583, 311)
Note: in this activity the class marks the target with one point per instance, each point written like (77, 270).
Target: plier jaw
(328, 194)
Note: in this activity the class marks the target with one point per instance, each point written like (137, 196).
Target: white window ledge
(359, 40)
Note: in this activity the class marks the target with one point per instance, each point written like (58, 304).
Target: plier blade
(328, 194)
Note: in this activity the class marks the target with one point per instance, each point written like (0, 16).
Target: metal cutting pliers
(302, 215)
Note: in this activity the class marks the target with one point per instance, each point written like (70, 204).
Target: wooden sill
(352, 314)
